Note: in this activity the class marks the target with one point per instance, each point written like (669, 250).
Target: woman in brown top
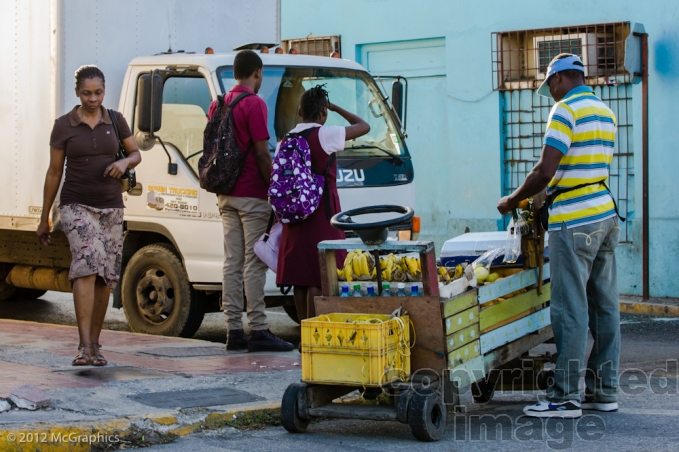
(91, 206)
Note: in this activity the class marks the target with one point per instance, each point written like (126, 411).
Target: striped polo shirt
(583, 128)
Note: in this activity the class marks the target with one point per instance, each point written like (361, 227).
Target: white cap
(401, 285)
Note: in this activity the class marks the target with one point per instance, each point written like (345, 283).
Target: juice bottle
(357, 291)
(386, 290)
(345, 291)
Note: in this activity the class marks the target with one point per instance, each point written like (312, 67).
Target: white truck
(173, 247)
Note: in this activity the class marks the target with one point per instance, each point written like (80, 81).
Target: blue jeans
(584, 287)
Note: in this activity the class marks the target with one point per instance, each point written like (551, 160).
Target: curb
(647, 308)
(84, 436)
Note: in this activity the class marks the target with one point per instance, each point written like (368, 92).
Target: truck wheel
(6, 290)
(427, 415)
(291, 311)
(157, 296)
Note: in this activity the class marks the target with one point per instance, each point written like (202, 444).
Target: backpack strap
(305, 133)
(226, 110)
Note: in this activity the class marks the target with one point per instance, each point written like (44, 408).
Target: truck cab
(173, 247)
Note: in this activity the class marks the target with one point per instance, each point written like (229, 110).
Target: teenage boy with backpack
(245, 212)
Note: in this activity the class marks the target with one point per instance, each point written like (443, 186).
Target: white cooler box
(467, 247)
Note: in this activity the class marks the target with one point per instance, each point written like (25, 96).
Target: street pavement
(38, 351)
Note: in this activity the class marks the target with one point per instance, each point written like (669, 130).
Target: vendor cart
(478, 338)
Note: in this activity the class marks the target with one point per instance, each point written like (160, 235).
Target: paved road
(647, 421)
(648, 418)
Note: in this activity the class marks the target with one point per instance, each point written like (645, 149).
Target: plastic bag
(487, 258)
(517, 227)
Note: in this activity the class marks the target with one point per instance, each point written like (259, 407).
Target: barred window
(520, 58)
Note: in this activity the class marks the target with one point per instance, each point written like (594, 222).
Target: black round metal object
(374, 233)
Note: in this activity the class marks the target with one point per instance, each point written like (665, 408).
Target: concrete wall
(459, 182)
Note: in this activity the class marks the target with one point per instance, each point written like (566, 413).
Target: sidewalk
(191, 381)
(654, 306)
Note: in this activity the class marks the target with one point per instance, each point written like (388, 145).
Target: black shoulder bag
(129, 179)
(544, 210)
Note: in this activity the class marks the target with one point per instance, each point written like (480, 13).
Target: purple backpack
(296, 187)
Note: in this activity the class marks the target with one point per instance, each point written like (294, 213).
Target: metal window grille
(517, 75)
(314, 45)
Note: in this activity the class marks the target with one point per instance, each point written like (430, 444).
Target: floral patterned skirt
(95, 237)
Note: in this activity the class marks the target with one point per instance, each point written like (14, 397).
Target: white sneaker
(569, 409)
(591, 404)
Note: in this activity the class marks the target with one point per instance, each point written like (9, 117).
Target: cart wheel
(483, 391)
(427, 415)
(403, 404)
(545, 379)
(290, 411)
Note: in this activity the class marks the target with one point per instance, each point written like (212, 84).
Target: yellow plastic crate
(338, 350)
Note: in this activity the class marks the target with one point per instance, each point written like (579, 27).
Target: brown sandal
(82, 358)
(98, 359)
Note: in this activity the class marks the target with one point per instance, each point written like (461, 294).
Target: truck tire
(291, 311)
(157, 296)
(6, 290)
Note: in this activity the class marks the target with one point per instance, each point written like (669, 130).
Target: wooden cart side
(479, 367)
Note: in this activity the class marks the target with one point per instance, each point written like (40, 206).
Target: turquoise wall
(458, 170)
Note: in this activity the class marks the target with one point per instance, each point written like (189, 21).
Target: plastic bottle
(345, 291)
(386, 290)
(401, 290)
(371, 292)
(415, 292)
(357, 291)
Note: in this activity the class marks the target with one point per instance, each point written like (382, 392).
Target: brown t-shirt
(88, 153)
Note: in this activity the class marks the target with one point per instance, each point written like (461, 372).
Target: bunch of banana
(443, 275)
(447, 275)
(388, 265)
(413, 269)
(358, 265)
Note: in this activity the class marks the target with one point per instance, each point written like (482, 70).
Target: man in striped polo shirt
(583, 233)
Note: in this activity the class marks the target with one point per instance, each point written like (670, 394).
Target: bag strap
(553, 196)
(305, 133)
(326, 192)
(116, 130)
(272, 218)
(227, 109)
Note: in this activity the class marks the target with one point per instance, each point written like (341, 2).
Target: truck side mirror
(150, 101)
(397, 98)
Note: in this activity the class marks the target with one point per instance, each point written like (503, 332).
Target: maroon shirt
(88, 153)
(249, 116)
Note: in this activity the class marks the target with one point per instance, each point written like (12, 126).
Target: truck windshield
(352, 90)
